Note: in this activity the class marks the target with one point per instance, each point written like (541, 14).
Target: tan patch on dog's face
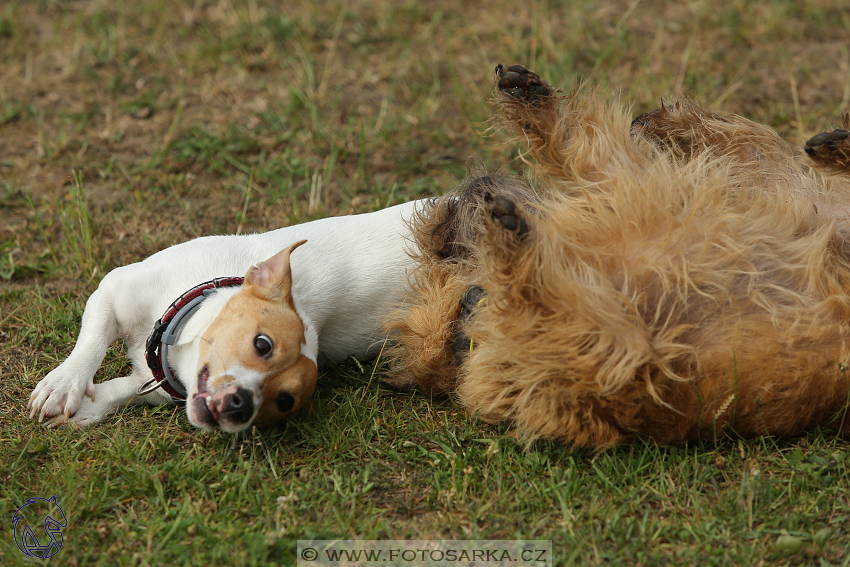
(231, 343)
(254, 349)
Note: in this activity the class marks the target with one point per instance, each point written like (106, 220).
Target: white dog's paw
(111, 395)
(60, 393)
(87, 414)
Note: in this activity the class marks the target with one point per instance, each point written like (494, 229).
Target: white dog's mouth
(230, 407)
(205, 410)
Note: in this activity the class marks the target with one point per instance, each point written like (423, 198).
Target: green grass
(128, 126)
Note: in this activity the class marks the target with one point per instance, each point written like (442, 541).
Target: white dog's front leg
(110, 396)
(61, 391)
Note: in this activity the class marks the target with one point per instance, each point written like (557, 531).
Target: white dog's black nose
(238, 407)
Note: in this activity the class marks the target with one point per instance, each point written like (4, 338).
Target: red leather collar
(165, 331)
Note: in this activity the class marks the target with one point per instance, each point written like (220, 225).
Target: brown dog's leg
(830, 151)
(574, 138)
(506, 234)
(686, 131)
(428, 328)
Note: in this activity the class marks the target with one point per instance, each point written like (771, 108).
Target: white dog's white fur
(349, 272)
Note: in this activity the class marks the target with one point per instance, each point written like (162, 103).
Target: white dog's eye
(263, 345)
(284, 402)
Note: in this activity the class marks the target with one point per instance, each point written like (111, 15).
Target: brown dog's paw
(831, 149)
(658, 126)
(518, 82)
(644, 122)
(505, 213)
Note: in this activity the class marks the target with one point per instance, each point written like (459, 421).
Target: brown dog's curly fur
(678, 276)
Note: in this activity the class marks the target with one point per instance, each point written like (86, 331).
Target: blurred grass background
(128, 126)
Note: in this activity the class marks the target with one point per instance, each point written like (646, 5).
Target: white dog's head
(252, 364)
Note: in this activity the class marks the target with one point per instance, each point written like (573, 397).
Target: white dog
(238, 353)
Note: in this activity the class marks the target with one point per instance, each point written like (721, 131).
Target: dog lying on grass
(237, 352)
(676, 277)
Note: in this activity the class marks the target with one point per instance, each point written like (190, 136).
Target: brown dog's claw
(518, 82)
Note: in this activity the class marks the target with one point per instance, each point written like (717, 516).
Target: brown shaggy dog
(675, 277)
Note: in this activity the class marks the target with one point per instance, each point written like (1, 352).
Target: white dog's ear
(272, 279)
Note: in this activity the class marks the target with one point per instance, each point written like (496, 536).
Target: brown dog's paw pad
(504, 212)
(518, 82)
(830, 148)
